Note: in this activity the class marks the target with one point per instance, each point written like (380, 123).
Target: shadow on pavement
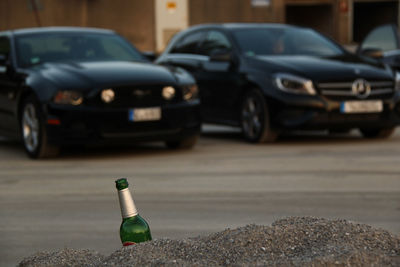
(297, 137)
(10, 149)
(211, 134)
(116, 151)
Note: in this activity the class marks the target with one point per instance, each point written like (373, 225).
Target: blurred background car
(270, 78)
(61, 86)
(383, 43)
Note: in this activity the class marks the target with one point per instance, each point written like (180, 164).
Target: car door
(384, 38)
(383, 43)
(218, 79)
(8, 89)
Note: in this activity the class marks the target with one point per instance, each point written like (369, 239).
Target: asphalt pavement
(224, 182)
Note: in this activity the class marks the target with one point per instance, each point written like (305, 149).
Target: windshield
(52, 47)
(285, 41)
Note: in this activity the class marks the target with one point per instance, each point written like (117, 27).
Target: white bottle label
(128, 208)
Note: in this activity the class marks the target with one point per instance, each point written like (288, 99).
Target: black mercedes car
(62, 86)
(270, 78)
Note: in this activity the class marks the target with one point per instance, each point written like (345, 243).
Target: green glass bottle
(134, 229)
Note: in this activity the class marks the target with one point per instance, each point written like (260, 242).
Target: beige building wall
(208, 11)
(16, 14)
(333, 23)
(137, 19)
(134, 19)
(171, 17)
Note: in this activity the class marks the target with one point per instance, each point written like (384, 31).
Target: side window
(4, 52)
(4, 46)
(215, 41)
(383, 38)
(189, 44)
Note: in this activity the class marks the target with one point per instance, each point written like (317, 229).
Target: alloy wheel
(30, 127)
(252, 117)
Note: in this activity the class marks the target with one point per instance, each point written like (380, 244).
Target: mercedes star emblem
(361, 88)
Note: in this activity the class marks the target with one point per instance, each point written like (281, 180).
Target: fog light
(190, 92)
(108, 95)
(168, 92)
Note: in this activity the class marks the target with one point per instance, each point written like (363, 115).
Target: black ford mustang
(269, 78)
(63, 86)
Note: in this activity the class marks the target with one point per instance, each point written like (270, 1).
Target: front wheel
(254, 119)
(378, 132)
(185, 143)
(33, 131)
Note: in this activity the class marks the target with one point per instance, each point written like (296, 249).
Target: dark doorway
(318, 17)
(368, 15)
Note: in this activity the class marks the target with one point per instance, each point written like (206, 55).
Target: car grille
(136, 96)
(343, 90)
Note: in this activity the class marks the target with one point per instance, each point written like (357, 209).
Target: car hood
(87, 75)
(344, 68)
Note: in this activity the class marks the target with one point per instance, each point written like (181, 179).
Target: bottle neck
(128, 208)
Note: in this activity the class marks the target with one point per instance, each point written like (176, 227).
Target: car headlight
(397, 81)
(168, 92)
(108, 95)
(294, 84)
(68, 98)
(190, 92)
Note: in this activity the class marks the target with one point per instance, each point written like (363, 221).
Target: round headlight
(168, 92)
(107, 95)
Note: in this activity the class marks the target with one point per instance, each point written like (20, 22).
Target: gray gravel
(294, 241)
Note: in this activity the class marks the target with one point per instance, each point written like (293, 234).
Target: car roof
(39, 30)
(233, 26)
(229, 27)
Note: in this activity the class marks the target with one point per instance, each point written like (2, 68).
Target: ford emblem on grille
(361, 88)
(141, 93)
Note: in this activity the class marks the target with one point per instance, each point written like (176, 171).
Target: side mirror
(221, 56)
(150, 55)
(372, 52)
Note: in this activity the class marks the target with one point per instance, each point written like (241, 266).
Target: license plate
(365, 106)
(145, 114)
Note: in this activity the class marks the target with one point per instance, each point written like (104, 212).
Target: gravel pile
(294, 241)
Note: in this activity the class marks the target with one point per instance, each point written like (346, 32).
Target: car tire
(255, 120)
(185, 143)
(33, 133)
(378, 133)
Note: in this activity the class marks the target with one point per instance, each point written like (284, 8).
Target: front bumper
(320, 113)
(88, 125)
